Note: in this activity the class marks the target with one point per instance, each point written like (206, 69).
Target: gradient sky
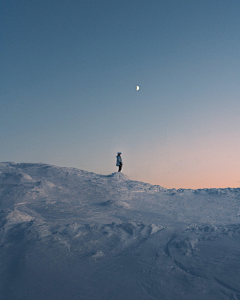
(69, 70)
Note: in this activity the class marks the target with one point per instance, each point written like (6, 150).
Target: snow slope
(68, 234)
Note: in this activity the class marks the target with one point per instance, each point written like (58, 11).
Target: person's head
(119, 153)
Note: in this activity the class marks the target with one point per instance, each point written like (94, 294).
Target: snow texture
(71, 234)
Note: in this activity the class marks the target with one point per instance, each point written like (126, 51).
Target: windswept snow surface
(69, 234)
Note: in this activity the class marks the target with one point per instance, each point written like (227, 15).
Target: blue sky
(69, 71)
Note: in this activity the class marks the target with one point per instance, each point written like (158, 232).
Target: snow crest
(109, 237)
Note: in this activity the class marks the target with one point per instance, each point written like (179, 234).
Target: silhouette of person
(119, 163)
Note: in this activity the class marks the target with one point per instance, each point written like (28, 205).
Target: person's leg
(119, 168)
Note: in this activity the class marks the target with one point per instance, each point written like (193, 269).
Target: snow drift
(71, 234)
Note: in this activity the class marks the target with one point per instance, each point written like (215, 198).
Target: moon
(137, 88)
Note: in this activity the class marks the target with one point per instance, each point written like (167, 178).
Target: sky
(68, 76)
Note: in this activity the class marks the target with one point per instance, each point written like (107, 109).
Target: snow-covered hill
(68, 234)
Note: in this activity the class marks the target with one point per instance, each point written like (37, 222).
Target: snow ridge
(109, 237)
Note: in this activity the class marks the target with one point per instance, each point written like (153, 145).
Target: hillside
(71, 234)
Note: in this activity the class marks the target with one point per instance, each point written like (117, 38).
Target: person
(119, 163)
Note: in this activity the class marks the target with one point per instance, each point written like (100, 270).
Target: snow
(71, 234)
